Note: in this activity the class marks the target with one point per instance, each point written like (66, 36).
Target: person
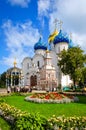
(8, 89)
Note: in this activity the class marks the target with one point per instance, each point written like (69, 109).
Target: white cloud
(80, 40)
(20, 39)
(22, 3)
(73, 15)
(43, 7)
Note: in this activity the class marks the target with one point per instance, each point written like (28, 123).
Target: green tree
(71, 62)
(3, 80)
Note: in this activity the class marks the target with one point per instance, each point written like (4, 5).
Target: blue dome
(40, 45)
(61, 37)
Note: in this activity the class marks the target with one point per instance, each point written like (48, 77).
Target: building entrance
(33, 80)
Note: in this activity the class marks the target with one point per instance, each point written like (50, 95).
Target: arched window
(38, 63)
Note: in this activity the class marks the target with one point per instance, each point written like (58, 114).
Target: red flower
(51, 95)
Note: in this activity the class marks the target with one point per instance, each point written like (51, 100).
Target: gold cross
(60, 23)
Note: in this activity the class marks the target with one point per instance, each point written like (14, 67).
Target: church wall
(38, 60)
(40, 51)
(26, 64)
(60, 46)
(65, 80)
(60, 79)
(54, 58)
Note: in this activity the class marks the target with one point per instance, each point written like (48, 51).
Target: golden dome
(52, 36)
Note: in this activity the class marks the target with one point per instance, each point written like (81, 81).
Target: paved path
(3, 90)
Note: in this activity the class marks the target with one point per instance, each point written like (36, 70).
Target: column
(11, 80)
(14, 80)
(19, 80)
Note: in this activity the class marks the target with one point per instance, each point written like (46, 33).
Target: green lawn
(71, 109)
(4, 125)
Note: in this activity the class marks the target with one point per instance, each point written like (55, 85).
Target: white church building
(41, 71)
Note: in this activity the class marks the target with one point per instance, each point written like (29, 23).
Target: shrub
(26, 121)
(22, 120)
(2, 100)
(68, 123)
(32, 122)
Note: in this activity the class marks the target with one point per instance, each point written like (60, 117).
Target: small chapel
(41, 72)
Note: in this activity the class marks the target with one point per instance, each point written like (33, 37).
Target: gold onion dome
(52, 36)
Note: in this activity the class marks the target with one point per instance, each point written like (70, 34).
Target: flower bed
(68, 123)
(52, 97)
(26, 121)
(23, 120)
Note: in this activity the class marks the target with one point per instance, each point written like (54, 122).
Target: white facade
(42, 71)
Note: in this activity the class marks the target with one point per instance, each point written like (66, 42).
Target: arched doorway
(33, 80)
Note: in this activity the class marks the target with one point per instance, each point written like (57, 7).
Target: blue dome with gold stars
(61, 37)
(40, 45)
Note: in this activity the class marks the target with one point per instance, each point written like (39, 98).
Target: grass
(4, 125)
(71, 109)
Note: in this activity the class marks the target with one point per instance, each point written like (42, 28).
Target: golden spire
(15, 62)
(60, 23)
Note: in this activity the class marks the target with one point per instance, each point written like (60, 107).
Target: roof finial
(55, 22)
(60, 23)
(47, 51)
(70, 35)
(40, 32)
(15, 62)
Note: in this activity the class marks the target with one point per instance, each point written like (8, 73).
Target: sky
(22, 22)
